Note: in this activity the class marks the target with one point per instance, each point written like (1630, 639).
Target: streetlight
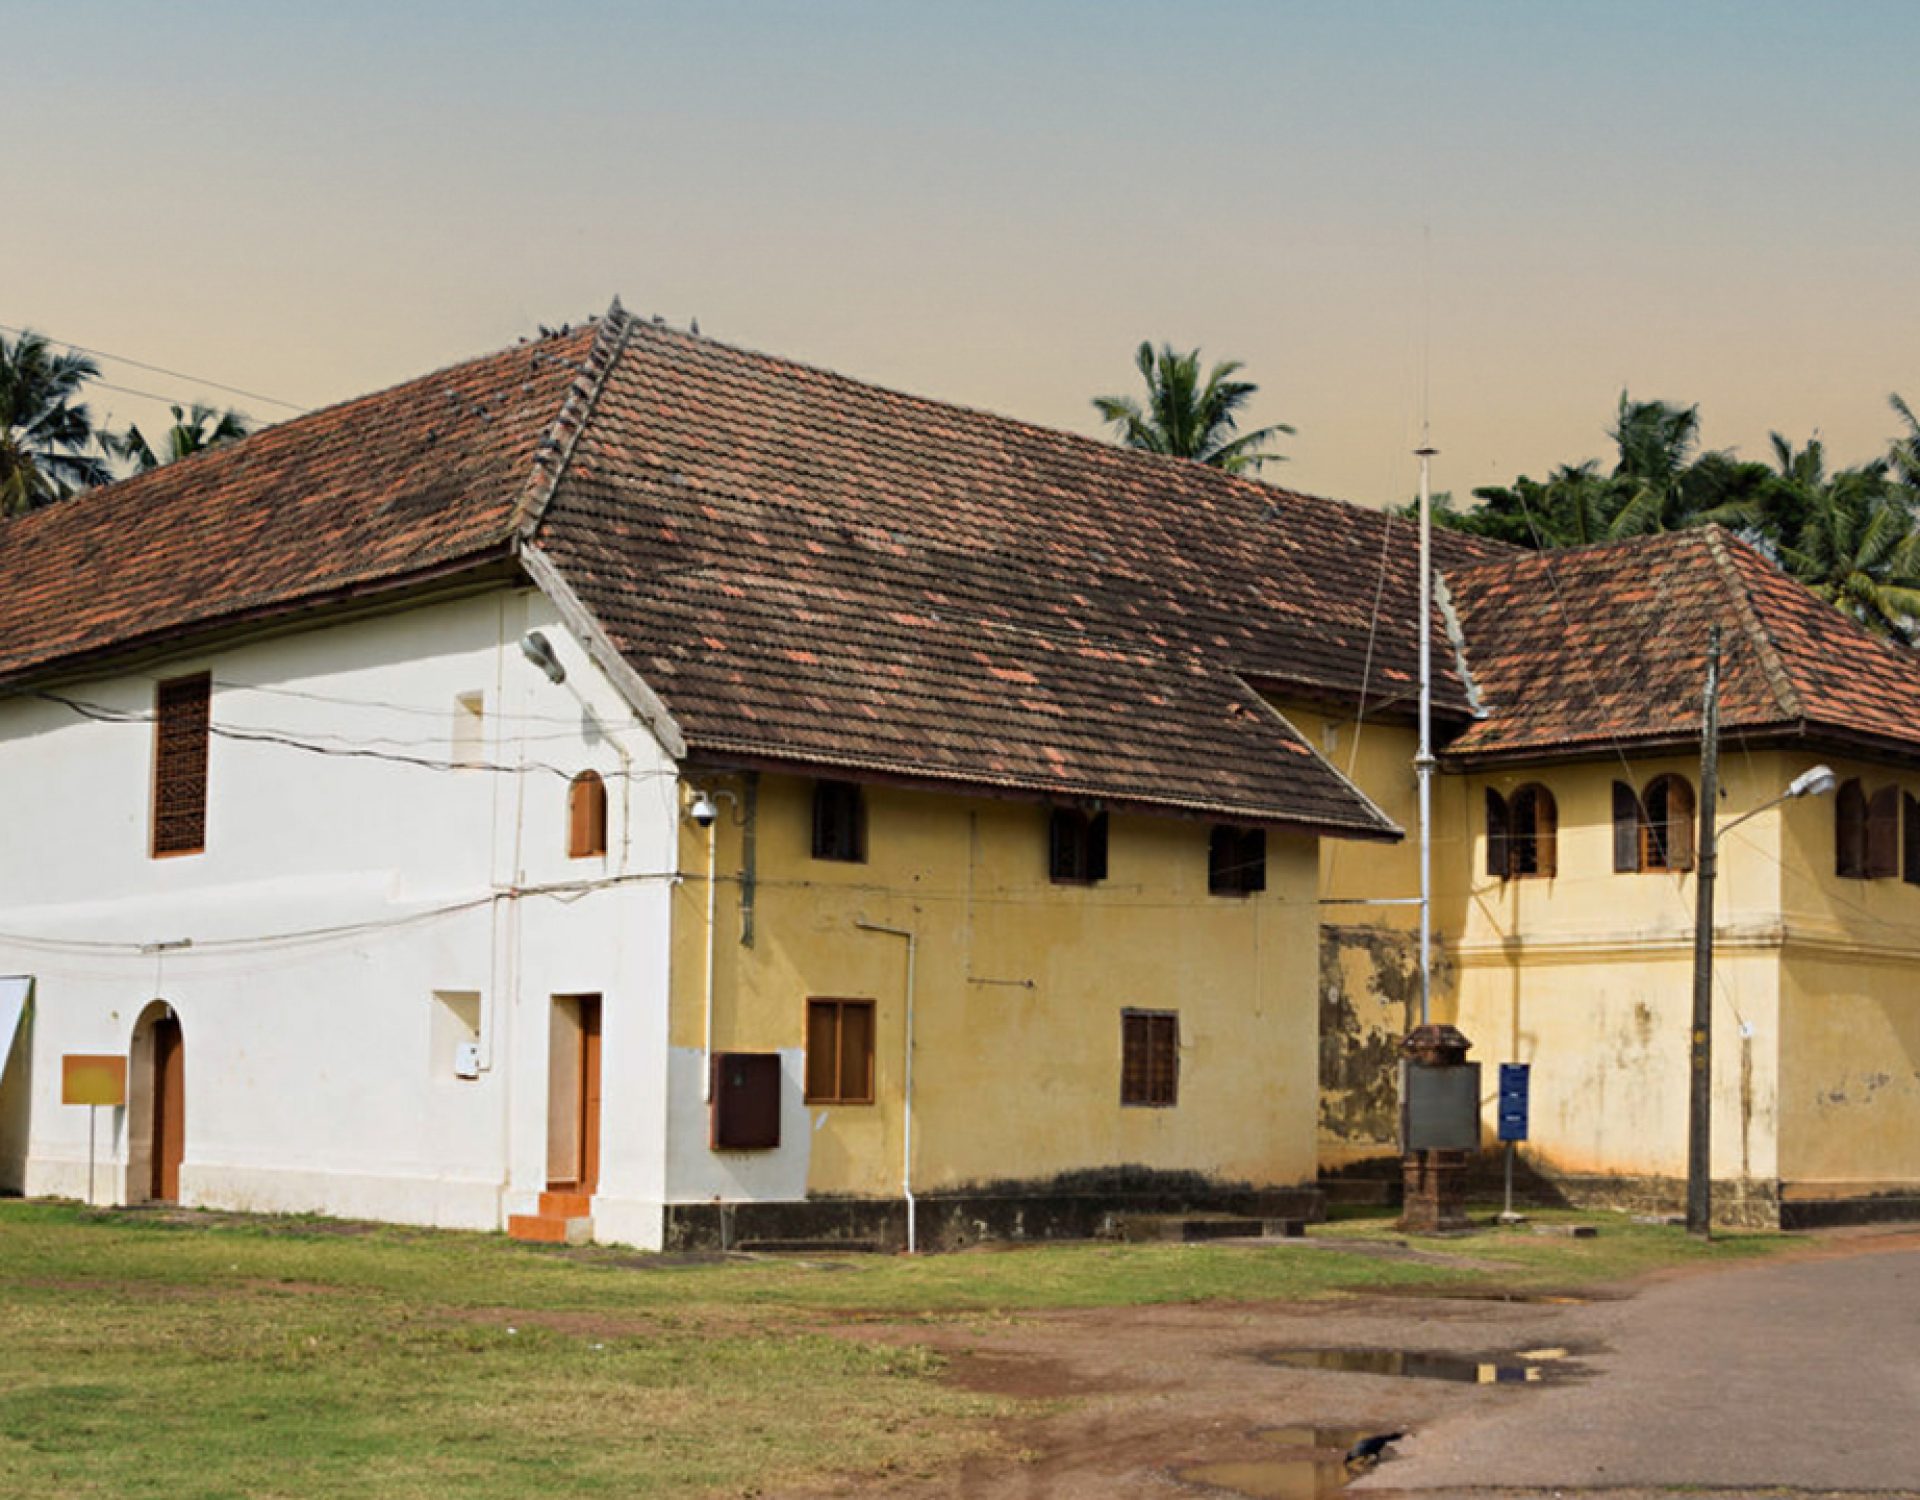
(1816, 782)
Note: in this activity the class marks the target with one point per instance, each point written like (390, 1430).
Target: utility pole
(1700, 1097)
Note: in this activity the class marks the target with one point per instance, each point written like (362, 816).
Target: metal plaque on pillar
(1439, 1107)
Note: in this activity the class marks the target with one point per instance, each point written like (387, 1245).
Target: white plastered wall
(314, 1074)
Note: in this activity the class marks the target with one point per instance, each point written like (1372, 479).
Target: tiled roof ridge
(1550, 557)
(1254, 488)
(555, 449)
(1719, 542)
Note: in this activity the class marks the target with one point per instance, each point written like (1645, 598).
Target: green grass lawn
(201, 1356)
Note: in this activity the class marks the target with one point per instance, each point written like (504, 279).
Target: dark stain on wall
(1369, 1000)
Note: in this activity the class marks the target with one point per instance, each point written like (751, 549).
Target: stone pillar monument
(1439, 1127)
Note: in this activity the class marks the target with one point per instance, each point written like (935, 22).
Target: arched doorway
(157, 1106)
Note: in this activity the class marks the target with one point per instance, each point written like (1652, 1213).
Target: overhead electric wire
(559, 890)
(100, 713)
(123, 359)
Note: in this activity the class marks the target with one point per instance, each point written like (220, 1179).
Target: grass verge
(212, 1356)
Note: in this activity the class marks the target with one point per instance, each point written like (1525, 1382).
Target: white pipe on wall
(906, 1149)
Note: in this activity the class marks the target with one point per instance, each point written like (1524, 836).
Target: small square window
(1076, 847)
(839, 1052)
(1150, 1057)
(839, 822)
(1236, 861)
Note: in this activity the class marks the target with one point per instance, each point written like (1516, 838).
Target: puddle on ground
(1529, 1367)
(1488, 1294)
(1310, 1465)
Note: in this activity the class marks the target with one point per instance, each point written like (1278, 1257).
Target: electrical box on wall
(746, 1101)
(466, 1060)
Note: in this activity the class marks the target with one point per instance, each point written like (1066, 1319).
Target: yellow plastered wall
(1019, 990)
(1588, 976)
(1850, 1041)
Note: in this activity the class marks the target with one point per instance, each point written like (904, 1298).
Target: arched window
(1654, 832)
(1523, 833)
(1866, 832)
(1666, 837)
(586, 816)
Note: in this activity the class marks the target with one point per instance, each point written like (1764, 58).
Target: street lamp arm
(1815, 783)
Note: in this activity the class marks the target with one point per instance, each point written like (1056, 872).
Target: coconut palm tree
(194, 431)
(1185, 418)
(1849, 536)
(1661, 483)
(48, 445)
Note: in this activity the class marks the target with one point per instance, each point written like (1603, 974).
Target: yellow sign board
(90, 1078)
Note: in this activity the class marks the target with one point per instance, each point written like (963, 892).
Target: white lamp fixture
(539, 650)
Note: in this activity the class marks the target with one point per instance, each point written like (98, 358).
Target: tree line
(50, 445)
(1852, 535)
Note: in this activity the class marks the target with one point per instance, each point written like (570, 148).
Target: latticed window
(1149, 1057)
(839, 1052)
(181, 725)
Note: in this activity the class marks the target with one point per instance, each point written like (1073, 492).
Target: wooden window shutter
(182, 723)
(1097, 847)
(823, 1050)
(1679, 823)
(1497, 855)
(1546, 833)
(587, 816)
(1850, 831)
(1163, 1059)
(1883, 833)
(856, 1052)
(1626, 829)
(1910, 871)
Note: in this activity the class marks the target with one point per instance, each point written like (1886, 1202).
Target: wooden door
(169, 1108)
(589, 1093)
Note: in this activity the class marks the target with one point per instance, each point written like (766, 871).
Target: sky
(1494, 217)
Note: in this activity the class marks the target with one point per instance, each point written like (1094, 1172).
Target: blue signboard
(1513, 1101)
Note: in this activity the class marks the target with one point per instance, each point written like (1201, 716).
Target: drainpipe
(906, 1150)
(713, 890)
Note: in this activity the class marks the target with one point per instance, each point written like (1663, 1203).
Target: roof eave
(720, 755)
(472, 571)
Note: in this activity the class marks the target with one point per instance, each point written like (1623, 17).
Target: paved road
(1804, 1374)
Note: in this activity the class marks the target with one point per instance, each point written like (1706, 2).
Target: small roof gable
(1595, 647)
(361, 495)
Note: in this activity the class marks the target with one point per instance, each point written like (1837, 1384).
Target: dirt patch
(1027, 1376)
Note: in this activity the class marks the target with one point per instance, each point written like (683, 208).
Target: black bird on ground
(1369, 1449)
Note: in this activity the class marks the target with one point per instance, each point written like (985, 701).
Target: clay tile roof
(804, 569)
(395, 484)
(810, 569)
(1605, 646)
